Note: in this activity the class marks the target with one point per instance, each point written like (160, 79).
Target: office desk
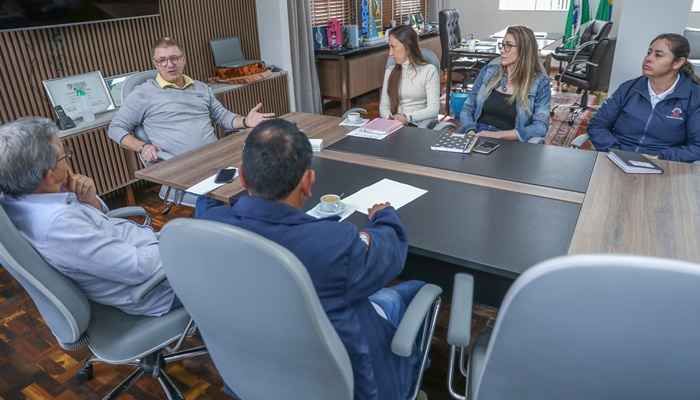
(493, 226)
(647, 214)
(548, 166)
(465, 225)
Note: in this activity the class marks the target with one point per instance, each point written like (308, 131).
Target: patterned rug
(560, 132)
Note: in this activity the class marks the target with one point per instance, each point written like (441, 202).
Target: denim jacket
(527, 124)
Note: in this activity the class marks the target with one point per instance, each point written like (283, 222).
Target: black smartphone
(225, 175)
(486, 147)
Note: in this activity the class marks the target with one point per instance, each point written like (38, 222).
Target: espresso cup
(330, 203)
(354, 117)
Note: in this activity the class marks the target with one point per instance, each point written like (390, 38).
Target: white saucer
(340, 210)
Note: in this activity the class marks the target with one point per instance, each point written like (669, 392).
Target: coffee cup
(354, 117)
(330, 203)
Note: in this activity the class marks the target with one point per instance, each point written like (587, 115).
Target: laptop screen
(227, 50)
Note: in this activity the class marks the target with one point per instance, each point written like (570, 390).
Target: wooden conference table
(496, 214)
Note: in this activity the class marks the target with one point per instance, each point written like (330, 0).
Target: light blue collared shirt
(105, 256)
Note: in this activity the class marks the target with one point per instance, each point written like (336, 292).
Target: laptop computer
(228, 53)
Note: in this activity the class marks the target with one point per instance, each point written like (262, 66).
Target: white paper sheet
(396, 193)
(207, 185)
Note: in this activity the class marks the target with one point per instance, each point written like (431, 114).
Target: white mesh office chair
(602, 326)
(113, 336)
(261, 317)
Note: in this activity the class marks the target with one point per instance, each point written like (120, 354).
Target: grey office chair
(113, 336)
(587, 327)
(274, 339)
(170, 197)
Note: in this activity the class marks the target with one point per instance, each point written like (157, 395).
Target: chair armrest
(459, 328)
(406, 333)
(428, 123)
(164, 155)
(579, 141)
(358, 110)
(444, 125)
(536, 140)
(134, 211)
(140, 291)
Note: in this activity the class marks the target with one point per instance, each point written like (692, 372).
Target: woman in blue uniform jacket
(510, 100)
(658, 113)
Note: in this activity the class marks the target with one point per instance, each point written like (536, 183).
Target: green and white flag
(604, 10)
(579, 14)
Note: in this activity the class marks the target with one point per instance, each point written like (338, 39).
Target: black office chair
(595, 77)
(451, 37)
(595, 31)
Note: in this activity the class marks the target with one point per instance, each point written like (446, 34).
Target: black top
(497, 112)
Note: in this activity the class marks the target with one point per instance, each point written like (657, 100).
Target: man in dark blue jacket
(348, 268)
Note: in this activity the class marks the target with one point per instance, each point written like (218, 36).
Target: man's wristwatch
(142, 146)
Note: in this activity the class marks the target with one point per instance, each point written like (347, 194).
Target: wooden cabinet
(346, 75)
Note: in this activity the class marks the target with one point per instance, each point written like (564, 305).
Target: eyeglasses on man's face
(175, 60)
(506, 46)
(67, 153)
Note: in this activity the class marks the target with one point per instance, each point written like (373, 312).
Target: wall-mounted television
(33, 14)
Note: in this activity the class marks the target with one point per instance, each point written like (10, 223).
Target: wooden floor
(33, 366)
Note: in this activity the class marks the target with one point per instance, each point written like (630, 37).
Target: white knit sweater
(419, 92)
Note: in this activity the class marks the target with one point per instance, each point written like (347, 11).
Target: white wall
(273, 30)
(638, 26)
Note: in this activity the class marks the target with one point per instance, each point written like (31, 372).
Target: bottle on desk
(472, 43)
(88, 114)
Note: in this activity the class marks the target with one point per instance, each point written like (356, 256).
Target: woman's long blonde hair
(527, 65)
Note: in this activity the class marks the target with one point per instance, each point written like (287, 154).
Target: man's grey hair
(26, 153)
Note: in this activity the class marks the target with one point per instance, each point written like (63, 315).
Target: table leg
(344, 100)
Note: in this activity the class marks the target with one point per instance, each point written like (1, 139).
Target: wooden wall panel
(117, 47)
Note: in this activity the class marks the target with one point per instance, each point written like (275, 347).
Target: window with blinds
(347, 11)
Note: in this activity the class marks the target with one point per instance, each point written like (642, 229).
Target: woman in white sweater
(411, 91)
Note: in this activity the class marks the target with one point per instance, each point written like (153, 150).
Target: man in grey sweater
(175, 111)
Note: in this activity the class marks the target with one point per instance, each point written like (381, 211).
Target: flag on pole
(604, 10)
(579, 14)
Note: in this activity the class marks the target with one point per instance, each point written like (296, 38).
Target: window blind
(347, 11)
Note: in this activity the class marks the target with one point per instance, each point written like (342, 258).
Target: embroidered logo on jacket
(364, 236)
(676, 113)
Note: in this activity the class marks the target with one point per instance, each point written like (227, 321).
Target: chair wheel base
(571, 122)
(85, 372)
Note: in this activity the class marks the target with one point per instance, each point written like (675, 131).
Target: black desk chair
(451, 37)
(595, 31)
(595, 77)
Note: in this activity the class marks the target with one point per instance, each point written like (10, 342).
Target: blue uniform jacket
(534, 123)
(671, 130)
(345, 270)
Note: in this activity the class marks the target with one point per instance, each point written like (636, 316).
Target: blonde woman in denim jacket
(511, 100)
